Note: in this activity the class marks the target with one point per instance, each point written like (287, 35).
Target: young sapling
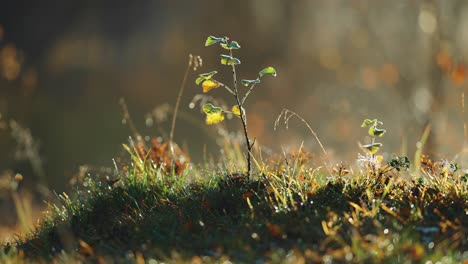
(374, 132)
(215, 114)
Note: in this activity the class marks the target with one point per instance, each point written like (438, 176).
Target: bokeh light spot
(9, 63)
(427, 21)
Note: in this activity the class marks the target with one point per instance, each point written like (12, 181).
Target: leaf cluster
(374, 132)
(213, 113)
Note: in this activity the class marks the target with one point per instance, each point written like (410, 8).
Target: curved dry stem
(176, 108)
(129, 121)
(287, 114)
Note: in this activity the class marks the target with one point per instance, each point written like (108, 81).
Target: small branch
(128, 119)
(176, 108)
(228, 112)
(287, 114)
(247, 94)
(227, 88)
(253, 143)
(242, 116)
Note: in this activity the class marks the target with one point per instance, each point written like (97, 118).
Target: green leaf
(376, 132)
(230, 46)
(372, 148)
(228, 60)
(268, 71)
(213, 114)
(205, 76)
(249, 82)
(368, 122)
(213, 40)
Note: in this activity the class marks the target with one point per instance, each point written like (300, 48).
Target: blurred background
(64, 66)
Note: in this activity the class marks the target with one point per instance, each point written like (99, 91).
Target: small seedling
(215, 114)
(374, 132)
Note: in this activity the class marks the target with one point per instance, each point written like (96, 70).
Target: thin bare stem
(243, 117)
(373, 157)
(465, 132)
(287, 114)
(128, 120)
(176, 108)
(253, 143)
(227, 88)
(247, 93)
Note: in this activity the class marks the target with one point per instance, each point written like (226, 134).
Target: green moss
(212, 218)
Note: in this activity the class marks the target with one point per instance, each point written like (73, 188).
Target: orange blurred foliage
(456, 71)
(458, 75)
(274, 230)
(160, 154)
(369, 78)
(10, 65)
(444, 60)
(389, 74)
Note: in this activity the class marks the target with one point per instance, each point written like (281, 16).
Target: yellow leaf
(214, 118)
(209, 84)
(236, 111)
(213, 114)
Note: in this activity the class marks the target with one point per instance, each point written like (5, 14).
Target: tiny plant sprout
(215, 114)
(374, 132)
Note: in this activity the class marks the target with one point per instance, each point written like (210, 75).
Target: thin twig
(253, 143)
(465, 132)
(287, 114)
(242, 116)
(247, 93)
(129, 121)
(227, 88)
(176, 108)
